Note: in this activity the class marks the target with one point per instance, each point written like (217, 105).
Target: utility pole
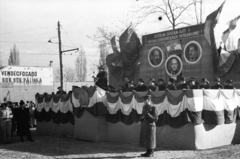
(200, 11)
(60, 54)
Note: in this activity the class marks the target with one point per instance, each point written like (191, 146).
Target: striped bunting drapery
(175, 108)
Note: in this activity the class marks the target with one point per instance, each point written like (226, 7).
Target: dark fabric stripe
(67, 118)
(174, 97)
(120, 117)
(65, 97)
(90, 90)
(126, 97)
(139, 96)
(213, 117)
(55, 117)
(158, 97)
(56, 98)
(48, 97)
(98, 109)
(78, 112)
(175, 122)
(112, 97)
(195, 117)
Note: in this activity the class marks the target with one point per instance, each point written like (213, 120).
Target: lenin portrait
(192, 52)
(155, 57)
(173, 65)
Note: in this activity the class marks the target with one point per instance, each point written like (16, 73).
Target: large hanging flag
(210, 23)
(114, 45)
(129, 46)
(232, 26)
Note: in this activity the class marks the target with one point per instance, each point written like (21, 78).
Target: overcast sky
(31, 23)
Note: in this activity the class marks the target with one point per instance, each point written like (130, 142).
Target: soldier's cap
(182, 79)
(217, 79)
(229, 81)
(147, 97)
(141, 80)
(59, 87)
(192, 79)
(171, 80)
(159, 80)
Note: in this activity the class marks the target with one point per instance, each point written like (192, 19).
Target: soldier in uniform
(141, 86)
(192, 83)
(22, 117)
(148, 118)
(152, 86)
(217, 84)
(204, 84)
(161, 85)
(171, 84)
(183, 84)
(229, 84)
(60, 90)
(101, 79)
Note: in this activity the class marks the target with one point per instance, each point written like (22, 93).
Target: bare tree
(81, 65)
(68, 74)
(173, 10)
(103, 54)
(14, 56)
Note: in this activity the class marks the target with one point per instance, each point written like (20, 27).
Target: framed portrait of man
(173, 65)
(155, 56)
(192, 52)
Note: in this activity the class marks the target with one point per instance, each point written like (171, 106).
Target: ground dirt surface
(47, 147)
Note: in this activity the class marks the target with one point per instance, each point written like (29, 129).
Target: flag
(114, 45)
(129, 46)
(210, 23)
(232, 26)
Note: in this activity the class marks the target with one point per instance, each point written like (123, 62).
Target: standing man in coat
(22, 117)
(148, 118)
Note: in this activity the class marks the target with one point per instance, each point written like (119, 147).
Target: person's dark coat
(194, 86)
(183, 86)
(141, 88)
(161, 87)
(171, 87)
(217, 86)
(22, 118)
(152, 88)
(229, 87)
(61, 92)
(149, 116)
(205, 86)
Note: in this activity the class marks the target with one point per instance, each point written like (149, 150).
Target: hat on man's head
(217, 79)
(171, 80)
(21, 102)
(101, 68)
(160, 80)
(147, 97)
(141, 80)
(192, 79)
(59, 87)
(229, 81)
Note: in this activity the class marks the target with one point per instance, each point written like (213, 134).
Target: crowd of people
(16, 117)
(172, 84)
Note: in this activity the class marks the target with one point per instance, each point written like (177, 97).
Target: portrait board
(192, 52)
(173, 65)
(155, 56)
